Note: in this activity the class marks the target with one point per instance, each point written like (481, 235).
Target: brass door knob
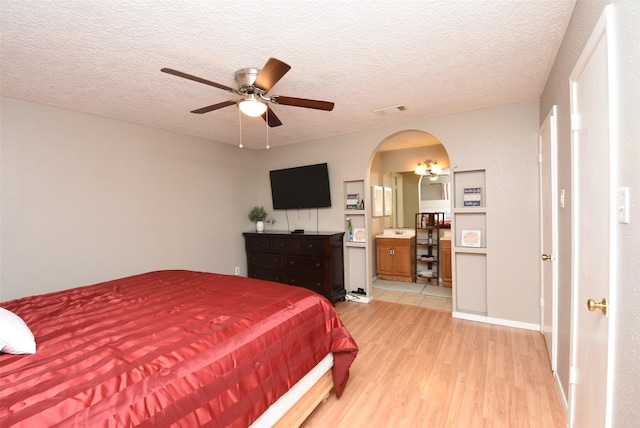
(545, 257)
(593, 305)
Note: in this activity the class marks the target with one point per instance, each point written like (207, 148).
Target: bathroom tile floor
(414, 299)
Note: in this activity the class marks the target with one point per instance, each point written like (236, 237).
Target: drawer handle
(291, 263)
(318, 265)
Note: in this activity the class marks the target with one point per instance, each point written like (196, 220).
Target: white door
(592, 231)
(547, 136)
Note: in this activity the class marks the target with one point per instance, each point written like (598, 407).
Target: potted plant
(259, 216)
(350, 227)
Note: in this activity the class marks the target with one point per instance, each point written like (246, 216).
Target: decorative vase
(259, 226)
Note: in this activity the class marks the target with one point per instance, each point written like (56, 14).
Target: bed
(174, 348)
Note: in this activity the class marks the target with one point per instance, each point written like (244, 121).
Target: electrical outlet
(237, 270)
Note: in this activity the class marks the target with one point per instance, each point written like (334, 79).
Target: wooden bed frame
(307, 403)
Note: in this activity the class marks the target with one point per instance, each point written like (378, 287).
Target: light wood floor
(419, 367)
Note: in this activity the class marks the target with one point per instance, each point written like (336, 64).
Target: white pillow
(15, 336)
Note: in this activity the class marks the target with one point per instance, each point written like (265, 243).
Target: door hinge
(576, 122)
(542, 302)
(573, 375)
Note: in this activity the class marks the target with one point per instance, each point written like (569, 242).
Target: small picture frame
(388, 201)
(353, 200)
(472, 197)
(359, 235)
(471, 238)
(378, 201)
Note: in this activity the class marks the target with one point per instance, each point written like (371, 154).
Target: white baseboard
(496, 321)
(563, 396)
(357, 298)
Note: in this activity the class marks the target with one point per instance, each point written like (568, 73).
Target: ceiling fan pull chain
(267, 123)
(240, 123)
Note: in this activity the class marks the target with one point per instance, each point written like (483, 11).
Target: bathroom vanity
(445, 260)
(394, 256)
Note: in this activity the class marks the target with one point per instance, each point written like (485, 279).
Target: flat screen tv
(300, 187)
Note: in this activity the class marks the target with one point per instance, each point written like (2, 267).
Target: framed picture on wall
(388, 201)
(359, 235)
(378, 201)
(472, 197)
(471, 238)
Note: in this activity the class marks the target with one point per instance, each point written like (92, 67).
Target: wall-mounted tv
(300, 187)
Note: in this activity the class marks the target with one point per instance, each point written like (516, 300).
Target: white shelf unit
(356, 254)
(469, 258)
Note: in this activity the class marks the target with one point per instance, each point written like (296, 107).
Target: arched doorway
(393, 167)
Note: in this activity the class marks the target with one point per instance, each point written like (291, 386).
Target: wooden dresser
(311, 260)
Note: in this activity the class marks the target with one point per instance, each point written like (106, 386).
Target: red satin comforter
(165, 348)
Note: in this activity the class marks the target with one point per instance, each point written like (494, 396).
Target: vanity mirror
(411, 193)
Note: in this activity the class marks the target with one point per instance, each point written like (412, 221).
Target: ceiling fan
(253, 85)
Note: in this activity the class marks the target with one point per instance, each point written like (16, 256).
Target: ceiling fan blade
(198, 79)
(303, 102)
(214, 107)
(270, 74)
(273, 119)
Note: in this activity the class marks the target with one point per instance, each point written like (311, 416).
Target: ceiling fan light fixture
(252, 107)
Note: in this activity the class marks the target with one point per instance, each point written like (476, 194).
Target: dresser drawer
(313, 247)
(314, 283)
(281, 245)
(266, 261)
(257, 244)
(306, 264)
(267, 275)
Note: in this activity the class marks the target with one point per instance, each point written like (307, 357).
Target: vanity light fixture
(430, 168)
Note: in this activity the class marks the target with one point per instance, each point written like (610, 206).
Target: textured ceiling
(435, 57)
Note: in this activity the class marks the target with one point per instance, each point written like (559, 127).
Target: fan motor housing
(245, 78)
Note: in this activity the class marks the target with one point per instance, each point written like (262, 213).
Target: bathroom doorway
(394, 167)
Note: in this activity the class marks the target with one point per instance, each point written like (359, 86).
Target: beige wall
(404, 160)
(85, 199)
(624, 316)
(502, 140)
